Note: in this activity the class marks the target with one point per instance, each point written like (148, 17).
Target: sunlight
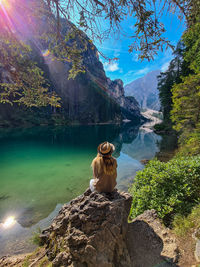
(6, 15)
(4, 3)
(46, 53)
(10, 221)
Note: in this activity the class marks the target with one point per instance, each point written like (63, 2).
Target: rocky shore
(93, 230)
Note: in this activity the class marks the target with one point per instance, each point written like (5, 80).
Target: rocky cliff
(93, 230)
(85, 99)
(129, 106)
(145, 90)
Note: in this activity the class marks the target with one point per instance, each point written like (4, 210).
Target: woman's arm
(95, 169)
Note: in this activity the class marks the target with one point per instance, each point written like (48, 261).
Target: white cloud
(132, 75)
(116, 54)
(135, 57)
(112, 66)
(130, 72)
(165, 66)
(114, 50)
(142, 71)
(138, 72)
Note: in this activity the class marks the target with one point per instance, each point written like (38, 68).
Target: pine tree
(167, 79)
(185, 113)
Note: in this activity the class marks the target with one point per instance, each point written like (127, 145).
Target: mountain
(145, 90)
(85, 99)
(129, 106)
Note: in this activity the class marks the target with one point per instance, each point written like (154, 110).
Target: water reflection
(44, 167)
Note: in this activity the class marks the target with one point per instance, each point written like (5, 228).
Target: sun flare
(10, 221)
(46, 53)
(5, 4)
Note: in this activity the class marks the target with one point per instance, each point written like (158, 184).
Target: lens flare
(46, 53)
(10, 221)
(5, 3)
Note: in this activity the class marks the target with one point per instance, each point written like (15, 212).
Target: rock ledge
(93, 230)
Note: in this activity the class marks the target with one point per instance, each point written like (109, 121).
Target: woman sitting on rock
(104, 169)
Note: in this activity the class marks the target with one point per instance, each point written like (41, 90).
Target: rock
(129, 106)
(197, 251)
(170, 249)
(145, 90)
(85, 99)
(144, 161)
(93, 230)
(196, 236)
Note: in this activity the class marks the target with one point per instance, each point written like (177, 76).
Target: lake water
(43, 167)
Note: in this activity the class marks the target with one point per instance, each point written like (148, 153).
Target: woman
(104, 169)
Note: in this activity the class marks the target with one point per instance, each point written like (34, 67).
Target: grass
(35, 239)
(44, 262)
(184, 225)
(26, 263)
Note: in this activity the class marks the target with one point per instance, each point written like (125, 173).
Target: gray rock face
(129, 105)
(145, 90)
(196, 236)
(85, 99)
(93, 230)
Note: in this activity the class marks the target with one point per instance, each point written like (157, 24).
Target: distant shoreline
(148, 126)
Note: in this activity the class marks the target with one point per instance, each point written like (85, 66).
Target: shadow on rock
(93, 231)
(145, 246)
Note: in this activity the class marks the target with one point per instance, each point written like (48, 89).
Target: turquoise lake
(42, 168)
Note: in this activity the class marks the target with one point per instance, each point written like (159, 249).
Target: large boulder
(93, 230)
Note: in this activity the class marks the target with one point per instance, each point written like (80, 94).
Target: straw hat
(106, 148)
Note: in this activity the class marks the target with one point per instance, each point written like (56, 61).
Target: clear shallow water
(41, 168)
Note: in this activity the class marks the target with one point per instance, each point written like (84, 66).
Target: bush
(36, 239)
(163, 127)
(183, 225)
(189, 143)
(170, 188)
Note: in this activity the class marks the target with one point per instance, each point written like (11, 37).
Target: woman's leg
(92, 188)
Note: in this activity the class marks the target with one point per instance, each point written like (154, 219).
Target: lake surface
(42, 168)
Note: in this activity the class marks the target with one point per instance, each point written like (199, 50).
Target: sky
(128, 68)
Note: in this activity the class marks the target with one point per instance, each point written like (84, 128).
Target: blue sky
(128, 68)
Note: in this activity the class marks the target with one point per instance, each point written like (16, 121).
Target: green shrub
(36, 239)
(189, 143)
(183, 225)
(163, 127)
(170, 188)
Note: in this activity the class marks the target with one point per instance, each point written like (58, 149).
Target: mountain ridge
(145, 91)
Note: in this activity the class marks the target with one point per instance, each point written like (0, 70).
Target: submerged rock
(93, 230)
